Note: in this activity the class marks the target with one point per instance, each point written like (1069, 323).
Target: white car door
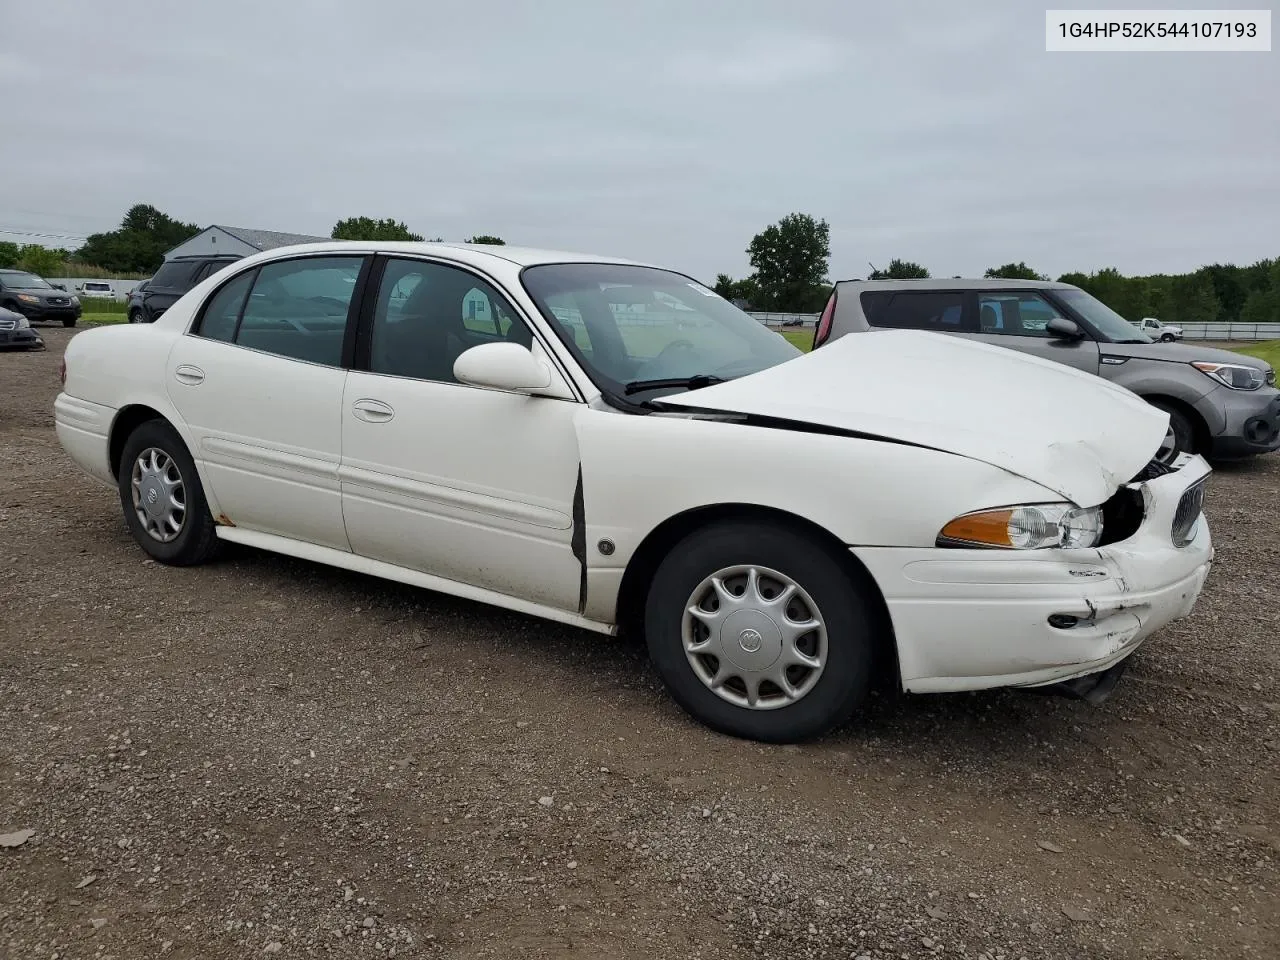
(259, 383)
(476, 486)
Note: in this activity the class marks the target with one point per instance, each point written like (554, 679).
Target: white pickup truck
(96, 288)
(1156, 330)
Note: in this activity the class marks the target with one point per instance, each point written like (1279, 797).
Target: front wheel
(759, 632)
(68, 321)
(135, 316)
(1166, 338)
(163, 502)
(1179, 438)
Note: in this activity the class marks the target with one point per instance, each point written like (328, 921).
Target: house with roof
(236, 241)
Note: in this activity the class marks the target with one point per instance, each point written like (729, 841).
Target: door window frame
(354, 307)
(362, 336)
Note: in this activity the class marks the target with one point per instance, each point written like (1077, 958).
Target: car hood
(1071, 432)
(1178, 353)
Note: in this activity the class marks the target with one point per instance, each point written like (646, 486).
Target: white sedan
(608, 444)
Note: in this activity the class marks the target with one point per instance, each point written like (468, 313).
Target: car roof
(960, 283)
(475, 253)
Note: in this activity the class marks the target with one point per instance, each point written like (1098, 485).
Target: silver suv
(1221, 404)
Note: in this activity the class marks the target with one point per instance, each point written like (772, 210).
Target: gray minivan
(1222, 404)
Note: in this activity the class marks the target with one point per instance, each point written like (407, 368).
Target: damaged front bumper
(1061, 619)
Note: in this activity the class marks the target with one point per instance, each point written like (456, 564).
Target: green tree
(1228, 286)
(1194, 300)
(485, 238)
(900, 270)
(42, 261)
(140, 243)
(1014, 271)
(8, 254)
(1263, 303)
(790, 258)
(366, 228)
(745, 289)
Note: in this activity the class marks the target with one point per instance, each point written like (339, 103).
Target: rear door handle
(372, 411)
(191, 376)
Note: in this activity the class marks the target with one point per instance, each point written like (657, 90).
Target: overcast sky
(665, 131)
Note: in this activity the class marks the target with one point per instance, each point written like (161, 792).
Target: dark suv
(174, 278)
(37, 299)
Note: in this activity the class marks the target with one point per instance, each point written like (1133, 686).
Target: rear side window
(941, 310)
(298, 308)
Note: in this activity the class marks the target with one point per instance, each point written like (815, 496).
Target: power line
(14, 231)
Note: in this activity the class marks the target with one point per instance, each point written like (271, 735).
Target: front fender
(639, 471)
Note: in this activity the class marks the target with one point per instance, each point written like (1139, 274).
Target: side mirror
(1060, 328)
(502, 366)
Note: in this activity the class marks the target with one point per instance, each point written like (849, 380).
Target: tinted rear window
(175, 274)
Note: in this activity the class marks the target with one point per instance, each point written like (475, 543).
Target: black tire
(196, 541)
(68, 321)
(1184, 432)
(845, 679)
(1166, 338)
(136, 316)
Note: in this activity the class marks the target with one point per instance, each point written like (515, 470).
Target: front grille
(8, 324)
(60, 301)
(1184, 518)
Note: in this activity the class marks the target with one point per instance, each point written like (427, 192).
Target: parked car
(780, 527)
(1156, 330)
(133, 302)
(173, 279)
(16, 332)
(37, 299)
(97, 288)
(1221, 404)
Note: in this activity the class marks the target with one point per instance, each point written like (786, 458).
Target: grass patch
(1268, 350)
(103, 305)
(800, 338)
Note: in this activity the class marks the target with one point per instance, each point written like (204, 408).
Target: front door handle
(191, 376)
(372, 411)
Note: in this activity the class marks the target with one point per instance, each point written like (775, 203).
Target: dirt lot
(269, 757)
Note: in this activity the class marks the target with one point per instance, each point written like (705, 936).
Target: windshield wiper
(689, 383)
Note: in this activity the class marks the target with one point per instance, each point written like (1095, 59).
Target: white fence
(1190, 331)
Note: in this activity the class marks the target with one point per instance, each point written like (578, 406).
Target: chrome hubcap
(754, 637)
(1168, 447)
(159, 495)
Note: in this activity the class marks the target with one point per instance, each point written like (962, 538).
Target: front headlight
(1030, 526)
(28, 298)
(1234, 375)
(23, 323)
(75, 300)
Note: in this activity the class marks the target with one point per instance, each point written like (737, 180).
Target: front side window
(295, 308)
(427, 314)
(1020, 314)
(941, 310)
(631, 328)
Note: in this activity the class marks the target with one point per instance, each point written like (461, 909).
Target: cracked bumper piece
(975, 619)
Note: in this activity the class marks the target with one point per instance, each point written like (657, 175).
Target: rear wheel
(163, 502)
(759, 632)
(1179, 438)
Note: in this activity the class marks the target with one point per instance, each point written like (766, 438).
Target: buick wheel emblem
(750, 640)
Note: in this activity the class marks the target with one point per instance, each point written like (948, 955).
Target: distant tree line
(790, 259)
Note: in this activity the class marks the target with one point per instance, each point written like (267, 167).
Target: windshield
(24, 281)
(629, 326)
(1113, 327)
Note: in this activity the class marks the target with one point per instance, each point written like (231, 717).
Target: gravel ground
(265, 756)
